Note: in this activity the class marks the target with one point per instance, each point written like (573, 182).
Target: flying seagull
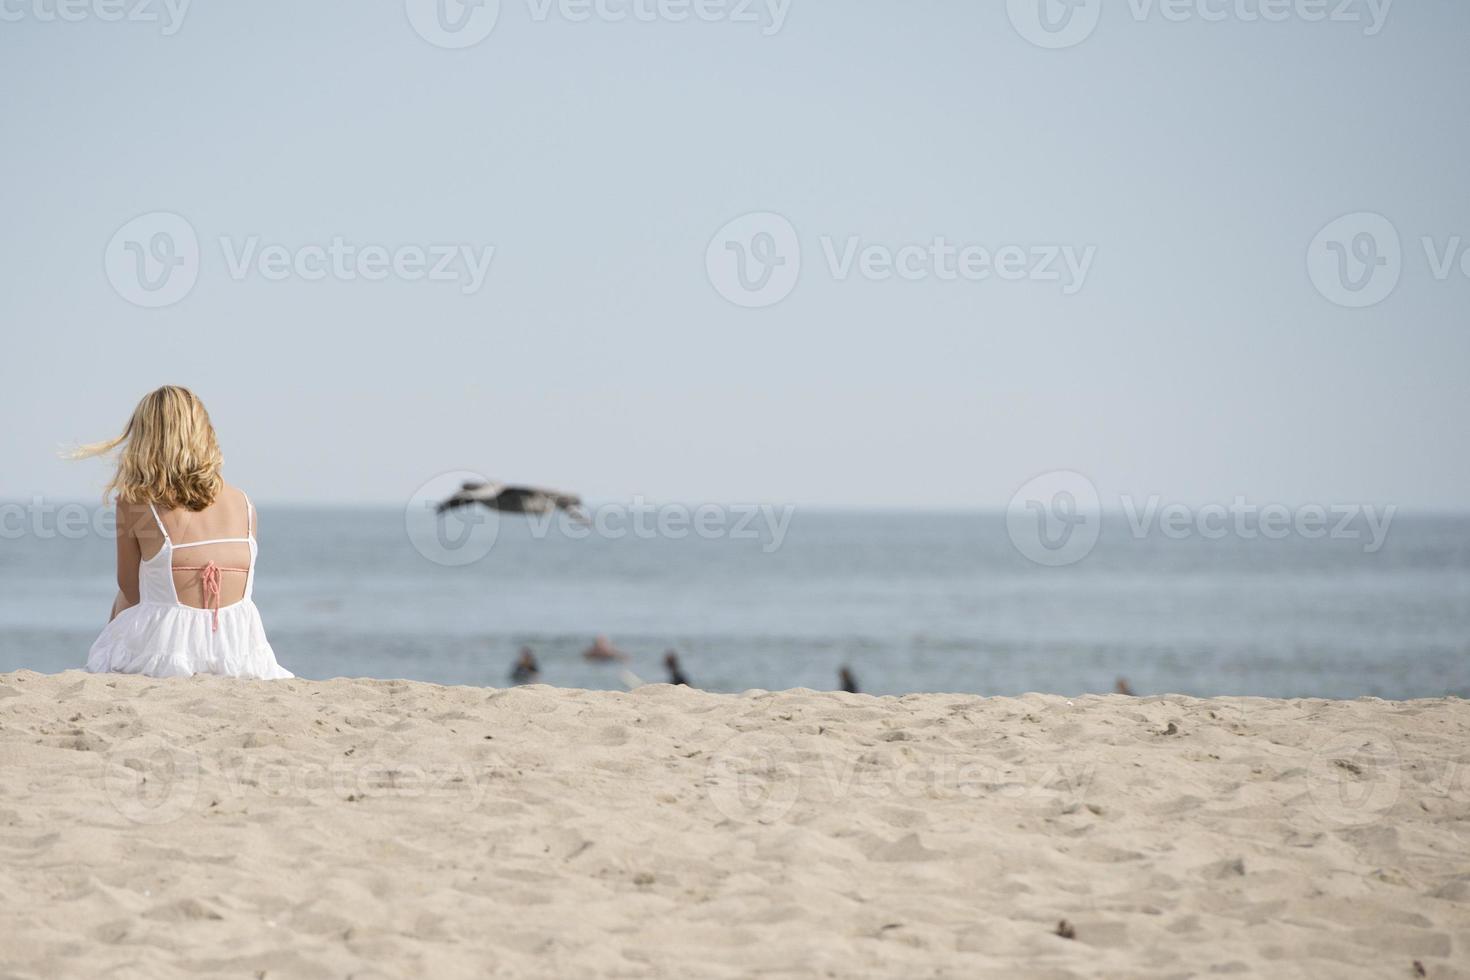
(515, 500)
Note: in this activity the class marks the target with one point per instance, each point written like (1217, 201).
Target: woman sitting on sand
(185, 552)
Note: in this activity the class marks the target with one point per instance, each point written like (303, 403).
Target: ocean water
(912, 602)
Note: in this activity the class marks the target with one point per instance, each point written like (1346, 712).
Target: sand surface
(208, 827)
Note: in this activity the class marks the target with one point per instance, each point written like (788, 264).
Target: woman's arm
(129, 554)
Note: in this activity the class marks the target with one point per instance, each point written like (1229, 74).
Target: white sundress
(162, 637)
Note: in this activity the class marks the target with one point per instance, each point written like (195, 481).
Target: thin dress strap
(249, 516)
(159, 521)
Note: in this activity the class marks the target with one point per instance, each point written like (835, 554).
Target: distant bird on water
(602, 651)
(676, 673)
(515, 500)
(526, 670)
(849, 682)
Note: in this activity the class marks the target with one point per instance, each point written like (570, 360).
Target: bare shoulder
(239, 493)
(133, 518)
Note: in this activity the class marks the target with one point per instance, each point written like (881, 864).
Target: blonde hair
(168, 454)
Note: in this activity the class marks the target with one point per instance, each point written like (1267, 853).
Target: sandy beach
(210, 827)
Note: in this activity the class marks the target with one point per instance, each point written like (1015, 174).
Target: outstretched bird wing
(472, 493)
(539, 500)
(515, 500)
(572, 504)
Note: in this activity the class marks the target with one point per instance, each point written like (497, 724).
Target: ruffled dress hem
(167, 640)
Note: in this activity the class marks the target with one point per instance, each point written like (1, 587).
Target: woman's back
(222, 535)
(186, 552)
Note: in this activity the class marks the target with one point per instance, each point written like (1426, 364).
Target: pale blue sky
(1198, 361)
